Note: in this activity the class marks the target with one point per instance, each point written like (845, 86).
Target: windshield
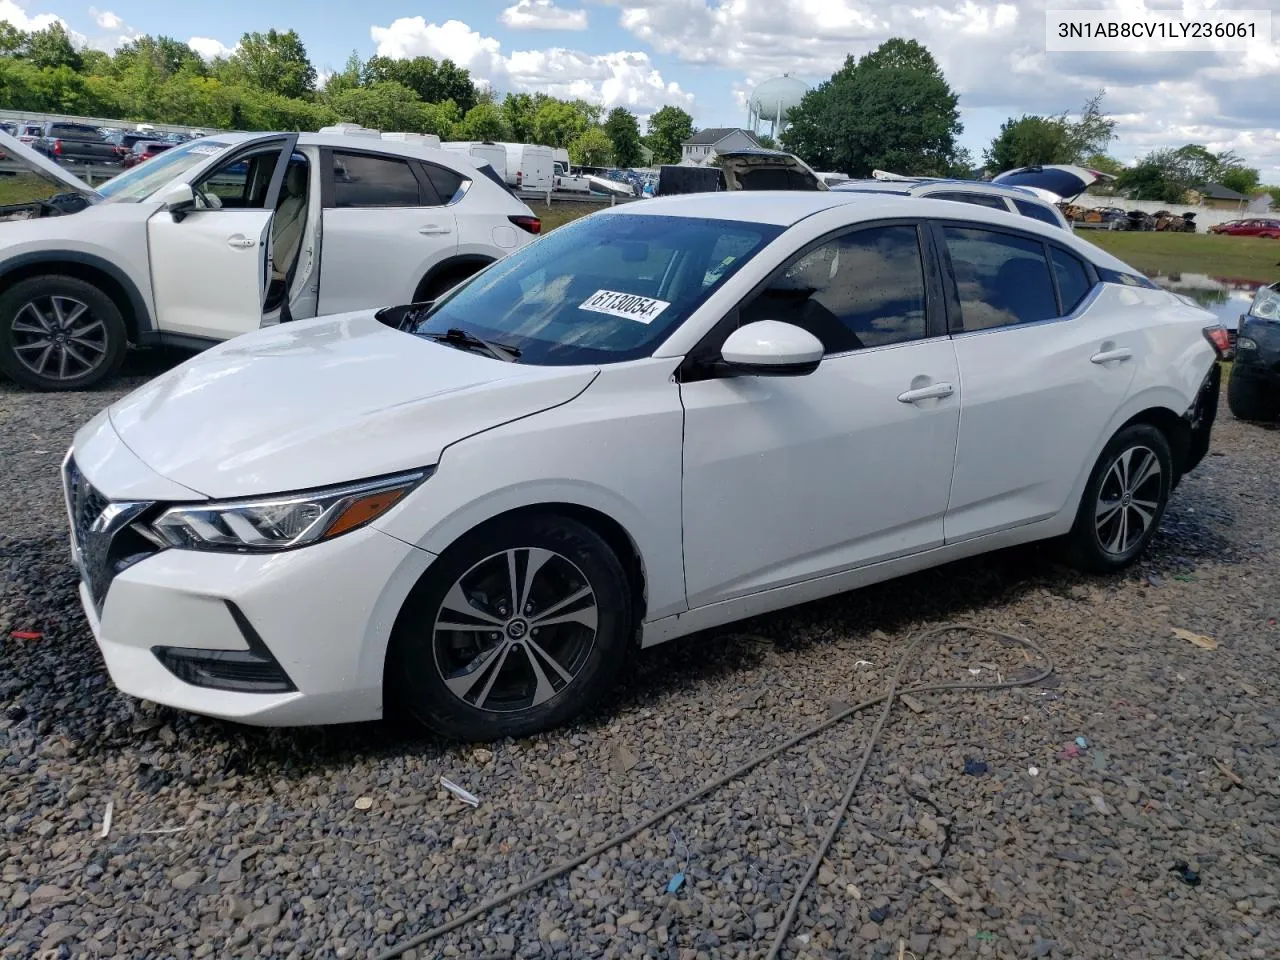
(607, 288)
(138, 183)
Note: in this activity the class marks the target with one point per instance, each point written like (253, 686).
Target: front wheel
(59, 333)
(515, 629)
(1124, 500)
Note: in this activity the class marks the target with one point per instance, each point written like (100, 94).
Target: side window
(977, 199)
(1001, 279)
(1073, 279)
(448, 184)
(1036, 211)
(241, 183)
(865, 289)
(361, 180)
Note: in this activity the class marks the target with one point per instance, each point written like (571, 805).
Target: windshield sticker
(206, 149)
(630, 306)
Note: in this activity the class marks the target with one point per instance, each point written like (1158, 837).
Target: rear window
(79, 131)
(362, 180)
(1036, 211)
(977, 199)
(448, 184)
(606, 288)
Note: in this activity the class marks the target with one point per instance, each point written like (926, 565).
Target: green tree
(12, 40)
(52, 47)
(1161, 176)
(624, 137)
(668, 129)
(1241, 179)
(383, 105)
(1027, 141)
(557, 124)
(433, 82)
(164, 55)
(348, 78)
(892, 110)
(767, 141)
(484, 122)
(442, 119)
(592, 148)
(518, 110)
(1100, 161)
(274, 62)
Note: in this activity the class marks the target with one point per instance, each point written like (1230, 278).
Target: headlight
(1266, 304)
(268, 524)
(1246, 343)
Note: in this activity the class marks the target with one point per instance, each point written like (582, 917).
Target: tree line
(268, 83)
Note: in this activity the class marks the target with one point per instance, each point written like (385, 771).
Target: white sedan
(656, 420)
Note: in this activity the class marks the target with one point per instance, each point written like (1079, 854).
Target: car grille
(104, 540)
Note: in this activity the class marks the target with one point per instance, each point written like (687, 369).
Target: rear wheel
(438, 286)
(59, 333)
(515, 629)
(1251, 400)
(1124, 500)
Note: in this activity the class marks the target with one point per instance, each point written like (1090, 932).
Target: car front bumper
(297, 637)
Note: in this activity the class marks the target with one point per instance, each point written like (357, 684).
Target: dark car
(1254, 390)
(76, 143)
(145, 150)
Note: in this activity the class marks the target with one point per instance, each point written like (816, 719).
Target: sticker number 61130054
(630, 306)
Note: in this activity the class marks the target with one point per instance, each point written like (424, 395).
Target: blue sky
(705, 55)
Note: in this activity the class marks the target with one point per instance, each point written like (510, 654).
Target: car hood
(18, 152)
(1053, 182)
(325, 401)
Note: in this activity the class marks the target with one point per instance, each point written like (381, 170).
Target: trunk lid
(1053, 182)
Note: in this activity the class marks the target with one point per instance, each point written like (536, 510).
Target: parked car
(744, 169)
(224, 234)
(145, 150)
(1253, 227)
(656, 420)
(1015, 198)
(75, 143)
(31, 132)
(565, 179)
(1253, 391)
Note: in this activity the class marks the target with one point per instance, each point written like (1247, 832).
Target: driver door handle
(433, 228)
(935, 391)
(240, 242)
(1106, 356)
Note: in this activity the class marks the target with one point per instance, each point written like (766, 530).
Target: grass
(24, 188)
(1240, 258)
(558, 214)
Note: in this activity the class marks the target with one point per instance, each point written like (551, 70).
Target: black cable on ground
(887, 698)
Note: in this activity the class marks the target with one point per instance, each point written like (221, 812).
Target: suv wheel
(515, 629)
(1249, 399)
(1124, 500)
(59, 333)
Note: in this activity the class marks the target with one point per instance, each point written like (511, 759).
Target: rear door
(209, 267)
(385, 226)
(1042, 372)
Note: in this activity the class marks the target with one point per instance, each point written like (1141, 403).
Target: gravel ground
(230, 841)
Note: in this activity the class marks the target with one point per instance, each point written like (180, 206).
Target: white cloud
(622, 78)
(19, 18)
(209, 48)
(542, 15)
(993, 54)
(106, 19)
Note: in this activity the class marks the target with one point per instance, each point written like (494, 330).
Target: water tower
(770, 101)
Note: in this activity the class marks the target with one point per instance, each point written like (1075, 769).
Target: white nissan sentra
(656, 420)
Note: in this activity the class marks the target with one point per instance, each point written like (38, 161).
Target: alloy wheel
(515, 630)
(58, 338)
(1128, 500)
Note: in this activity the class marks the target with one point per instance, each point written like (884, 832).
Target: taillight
(57, 148)
(527, 224)
(519, 177)
(1219, 339)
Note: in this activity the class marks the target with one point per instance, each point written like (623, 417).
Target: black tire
(1250, 400)
(22, 333)
(1097, 542)
(514, 703)
(437, 287)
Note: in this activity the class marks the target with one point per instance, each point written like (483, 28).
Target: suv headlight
(267, 524)
(1266, 304)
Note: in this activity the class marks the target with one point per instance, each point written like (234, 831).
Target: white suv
(229, 233)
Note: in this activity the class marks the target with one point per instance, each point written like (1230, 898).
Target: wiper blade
(457, 337)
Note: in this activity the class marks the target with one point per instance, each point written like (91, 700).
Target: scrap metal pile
(1116, 218)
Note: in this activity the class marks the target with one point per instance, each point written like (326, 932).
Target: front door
(1044, 365)
(791, 478)
(209, 267)
(385, 226)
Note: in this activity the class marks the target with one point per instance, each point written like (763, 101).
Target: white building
(715, 139)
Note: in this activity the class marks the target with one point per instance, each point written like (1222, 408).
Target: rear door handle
(1107, 356)
(432, 228)
(241, 242)
(935, 391)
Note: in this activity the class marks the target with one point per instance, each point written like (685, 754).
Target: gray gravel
(268, 854)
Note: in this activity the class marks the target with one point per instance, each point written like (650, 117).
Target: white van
(560, 155)
(495, 154)
(530, 167)
(421, 139)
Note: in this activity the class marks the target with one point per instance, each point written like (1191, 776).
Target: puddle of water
(1225, 297)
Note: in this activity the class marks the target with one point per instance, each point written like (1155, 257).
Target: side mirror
(770, 348)
(179, 199)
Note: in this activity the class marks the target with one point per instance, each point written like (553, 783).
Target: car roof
(785, 208)
(920, 183)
